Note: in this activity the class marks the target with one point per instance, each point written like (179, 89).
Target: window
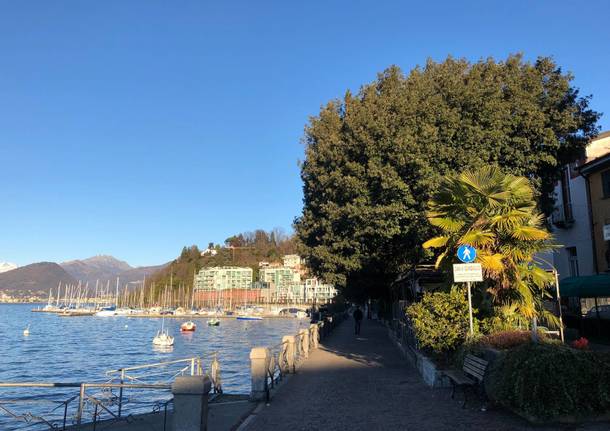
(573, 261)
(606, 183)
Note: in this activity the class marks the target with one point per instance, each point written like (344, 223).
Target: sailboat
(26, 331)
(110, 310)
(163, 339)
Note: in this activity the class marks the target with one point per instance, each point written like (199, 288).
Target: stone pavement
(224, 413)
(362, 383)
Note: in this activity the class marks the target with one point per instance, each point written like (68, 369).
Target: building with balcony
(571, 218)
(281, 281)
(223, 278)
(319, 292)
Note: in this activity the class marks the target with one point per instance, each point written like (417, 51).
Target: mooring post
(191, 403)
(260, 358)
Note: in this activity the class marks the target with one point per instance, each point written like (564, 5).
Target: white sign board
(607, 232)
(463, 272)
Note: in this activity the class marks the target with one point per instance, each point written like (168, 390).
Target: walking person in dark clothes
(358, 318)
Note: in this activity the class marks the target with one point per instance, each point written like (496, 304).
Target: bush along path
(363, 383)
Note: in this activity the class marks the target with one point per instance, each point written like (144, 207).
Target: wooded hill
(244, 249)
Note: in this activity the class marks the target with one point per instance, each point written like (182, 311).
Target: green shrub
(546, 381)
(440, 320)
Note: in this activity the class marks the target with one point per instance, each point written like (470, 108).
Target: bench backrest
(475, 367)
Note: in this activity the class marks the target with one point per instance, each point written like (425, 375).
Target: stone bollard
(260, 357)
(191, 403)
(290, 353)
(304, 333)
(313, 333)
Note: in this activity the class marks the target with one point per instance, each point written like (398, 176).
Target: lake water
(82, 349)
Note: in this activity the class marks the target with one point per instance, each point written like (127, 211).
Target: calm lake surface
(82, 349)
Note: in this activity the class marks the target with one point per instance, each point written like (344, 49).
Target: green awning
(590, 286)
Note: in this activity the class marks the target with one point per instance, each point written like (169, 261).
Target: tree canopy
(373, 159)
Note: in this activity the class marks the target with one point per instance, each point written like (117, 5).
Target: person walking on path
(358, 319)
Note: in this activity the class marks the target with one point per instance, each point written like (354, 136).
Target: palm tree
(495, 213)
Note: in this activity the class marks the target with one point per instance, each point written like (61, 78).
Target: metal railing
(280, 362)
(106, 403)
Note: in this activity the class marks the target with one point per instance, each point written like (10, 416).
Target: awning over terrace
(590, 286)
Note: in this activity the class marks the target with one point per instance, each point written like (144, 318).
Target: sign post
(467, 272)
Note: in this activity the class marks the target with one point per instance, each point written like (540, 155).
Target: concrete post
(191, 403)
(290, 353)
(304, 333)
(314, 335)
(260, 358)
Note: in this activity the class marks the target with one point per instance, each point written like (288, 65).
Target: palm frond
(439, 241)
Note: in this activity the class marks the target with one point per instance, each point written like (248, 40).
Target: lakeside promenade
(363, 383)
(349, 383)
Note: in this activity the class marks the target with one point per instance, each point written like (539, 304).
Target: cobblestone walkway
(362, 383)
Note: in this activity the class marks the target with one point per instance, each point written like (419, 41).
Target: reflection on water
(81, 349)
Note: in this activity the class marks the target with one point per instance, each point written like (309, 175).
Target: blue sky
(133, 128)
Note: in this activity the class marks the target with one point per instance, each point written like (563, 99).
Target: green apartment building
(223, 278)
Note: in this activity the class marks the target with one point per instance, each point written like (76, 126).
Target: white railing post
(259, 364)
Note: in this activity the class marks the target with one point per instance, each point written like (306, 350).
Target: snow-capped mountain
(7, 266)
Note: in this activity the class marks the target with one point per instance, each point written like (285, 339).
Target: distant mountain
(102, 268)
(134, 275)
(36, 278)
(7, 266)
(107, 268)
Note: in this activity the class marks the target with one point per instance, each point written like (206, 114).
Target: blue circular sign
(466, 253)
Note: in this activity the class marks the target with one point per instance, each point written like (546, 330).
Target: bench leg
(452, 389)
(465, 390)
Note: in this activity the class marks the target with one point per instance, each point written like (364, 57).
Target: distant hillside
(36, 278)
(100, 268)
(134, 275)
(244, 249)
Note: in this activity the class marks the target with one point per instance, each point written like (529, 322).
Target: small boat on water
(245, 317)
(213, 322)
(26, 331)
(188, 326)
(107, 311)
(163, 339)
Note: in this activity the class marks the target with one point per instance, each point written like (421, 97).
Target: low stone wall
(430, 373)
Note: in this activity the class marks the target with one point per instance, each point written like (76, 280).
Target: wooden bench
(471, 375)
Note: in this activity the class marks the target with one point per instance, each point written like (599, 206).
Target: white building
(292, 261)
(571, 218)
(319, 292)
(224, 277)
(282, 281)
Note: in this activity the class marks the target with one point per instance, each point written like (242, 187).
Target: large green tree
(372, 160)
